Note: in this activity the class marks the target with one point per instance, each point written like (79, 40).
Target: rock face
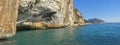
(8, 18)
(78, 18)
(47, 14)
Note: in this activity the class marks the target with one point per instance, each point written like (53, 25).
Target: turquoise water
(93, 34)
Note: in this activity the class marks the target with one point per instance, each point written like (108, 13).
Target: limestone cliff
(78, 18)
(34, 14)
(8, 16)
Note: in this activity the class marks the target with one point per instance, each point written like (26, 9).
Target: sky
(107, 10)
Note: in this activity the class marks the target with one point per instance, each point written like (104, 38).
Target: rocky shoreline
(37, 14)
(38, 25)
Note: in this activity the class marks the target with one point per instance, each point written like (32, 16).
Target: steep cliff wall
(78, 18)
(8, 16)
(48, 14)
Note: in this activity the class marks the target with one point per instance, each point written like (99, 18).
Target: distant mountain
(95, 21)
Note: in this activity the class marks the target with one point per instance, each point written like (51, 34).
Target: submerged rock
(48, 14)
(8, 16)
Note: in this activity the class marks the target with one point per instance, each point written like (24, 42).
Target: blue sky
(108, 10)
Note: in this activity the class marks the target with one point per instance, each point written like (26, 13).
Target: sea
(91, 34)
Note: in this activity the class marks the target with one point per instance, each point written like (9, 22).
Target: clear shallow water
(94, 34)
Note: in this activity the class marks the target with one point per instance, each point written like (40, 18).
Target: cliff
(8, 18)
(78, 18)
(35, 14)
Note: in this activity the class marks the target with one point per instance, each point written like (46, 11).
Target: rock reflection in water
(7, 41)
(62, 36)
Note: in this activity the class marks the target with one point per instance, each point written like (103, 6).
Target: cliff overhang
(48, 14)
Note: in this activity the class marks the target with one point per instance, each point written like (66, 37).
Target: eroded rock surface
(48, 14)
(8, 17)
